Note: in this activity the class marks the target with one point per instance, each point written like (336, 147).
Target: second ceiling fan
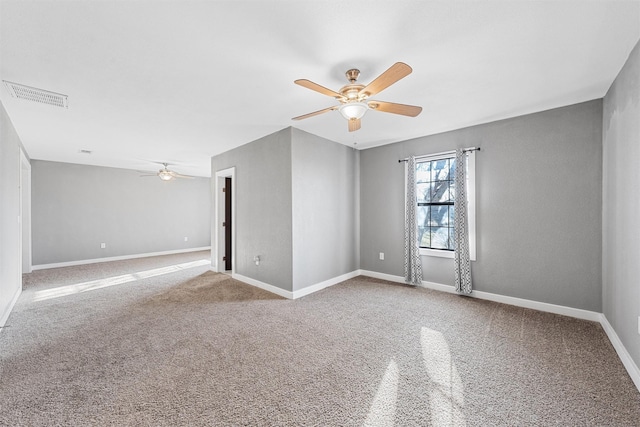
(354, 97)
(165, 174)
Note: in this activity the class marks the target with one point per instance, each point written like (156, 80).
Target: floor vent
(37, 95)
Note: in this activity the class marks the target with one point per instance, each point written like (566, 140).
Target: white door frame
(217, 264)
(25, 215)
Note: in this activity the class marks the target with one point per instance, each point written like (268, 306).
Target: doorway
(228, 220)
(225, 221)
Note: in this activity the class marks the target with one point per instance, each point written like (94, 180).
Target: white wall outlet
(638, 325)
(103, 245)
(256, 259)
(186, 239)
(382, 256)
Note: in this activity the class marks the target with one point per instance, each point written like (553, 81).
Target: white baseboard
(400, 279)
(625, 357)
(319, 286)
(578, 313)
(519, 302)
(300, 292)
(5, 315)
(262, 285)
(116, 258)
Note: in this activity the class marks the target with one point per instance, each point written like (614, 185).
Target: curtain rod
(465, 150)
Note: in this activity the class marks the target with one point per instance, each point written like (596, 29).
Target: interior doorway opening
(228, 221)
(225, 224)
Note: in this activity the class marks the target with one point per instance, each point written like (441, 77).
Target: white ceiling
(181, 81)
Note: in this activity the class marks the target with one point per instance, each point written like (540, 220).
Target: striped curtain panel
(412, 263)
(461, 234)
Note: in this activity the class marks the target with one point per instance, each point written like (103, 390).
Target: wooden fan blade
(178, 175)
(390, 107)
(315, 113)
(318, 88)
(396, 72)
(354, 125)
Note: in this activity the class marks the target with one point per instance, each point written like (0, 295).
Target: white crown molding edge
(117, 258)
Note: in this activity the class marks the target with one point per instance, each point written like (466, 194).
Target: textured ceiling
(181, 81)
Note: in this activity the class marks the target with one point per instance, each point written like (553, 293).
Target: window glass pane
(422, 216)
(423, 192)
(434, 186)
(439, 170)
(424, 238)
(439, 216)
(440, 237)
(423, 172)
(441, 192)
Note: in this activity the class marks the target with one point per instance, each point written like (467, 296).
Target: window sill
(436, 253)
(442, 254)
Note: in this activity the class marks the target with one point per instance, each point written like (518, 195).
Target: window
(435, 190)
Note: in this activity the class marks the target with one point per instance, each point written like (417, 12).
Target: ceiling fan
(167, 175)
(354, 97)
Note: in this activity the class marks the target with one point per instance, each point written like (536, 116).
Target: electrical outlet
(382, 256)
(186, 239)
(638, 325)
(103, 245)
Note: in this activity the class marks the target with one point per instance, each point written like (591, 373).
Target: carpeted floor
(164, 342)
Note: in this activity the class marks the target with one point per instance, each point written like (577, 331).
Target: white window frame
(471, 202)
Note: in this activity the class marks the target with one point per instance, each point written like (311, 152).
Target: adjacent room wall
(10, 258)
(296, 208)
(621, 205)
(324, 188)
(263, 207)
(75, 208)
(538, 201)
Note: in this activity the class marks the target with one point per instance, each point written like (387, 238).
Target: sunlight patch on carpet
(446, 397)
(77, 288)
(383, 408)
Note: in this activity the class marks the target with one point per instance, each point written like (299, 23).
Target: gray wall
(10, 267)
(324, 188)
(263, 207)
(77, 207)
(538, 206)
(621, 205)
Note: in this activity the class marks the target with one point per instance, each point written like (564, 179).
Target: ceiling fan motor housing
(352, 75)
(351, 93)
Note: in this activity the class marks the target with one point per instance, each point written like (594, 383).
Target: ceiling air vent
(37, 95)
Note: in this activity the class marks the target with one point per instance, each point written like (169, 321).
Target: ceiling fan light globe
(165, 176)
(353, 110)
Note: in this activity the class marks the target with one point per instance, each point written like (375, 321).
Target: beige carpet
(156, 345)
